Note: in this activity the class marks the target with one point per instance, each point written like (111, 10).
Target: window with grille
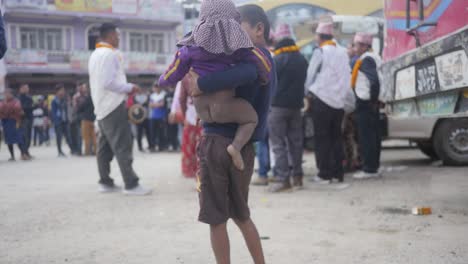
(147, 42)
(41, 38)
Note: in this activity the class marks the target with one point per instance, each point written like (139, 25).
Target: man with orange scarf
(366, 84)
(109, 89)
(328, 81)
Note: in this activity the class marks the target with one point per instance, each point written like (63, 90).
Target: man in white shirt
(109, 89)
(328, 80)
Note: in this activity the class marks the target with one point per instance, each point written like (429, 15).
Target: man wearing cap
(285, 120)
(366, 84)
(327, 83)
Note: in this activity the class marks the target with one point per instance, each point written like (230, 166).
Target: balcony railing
(40, 61)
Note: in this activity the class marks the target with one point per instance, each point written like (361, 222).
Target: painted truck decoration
(426, 75)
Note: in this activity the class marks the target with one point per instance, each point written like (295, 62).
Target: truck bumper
(411, 128)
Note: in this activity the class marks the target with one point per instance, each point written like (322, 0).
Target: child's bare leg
(252, 239)
(238, 111)
(220, 243)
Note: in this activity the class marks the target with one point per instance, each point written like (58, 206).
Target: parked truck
(425, 76)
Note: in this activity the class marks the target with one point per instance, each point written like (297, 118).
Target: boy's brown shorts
(223, 189)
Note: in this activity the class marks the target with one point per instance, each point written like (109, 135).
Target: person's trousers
(370, 139)
(263, 157)
(115, 139)
(144, 129)
(61, 130)
(26, 125)
(350, 139)
(172, 132)
(46, 133)
(328, 140)
(190, 140)
(75, 136)
(89, 137)
(12, 150)
(286, 141)
(158, 131)
(38, 135)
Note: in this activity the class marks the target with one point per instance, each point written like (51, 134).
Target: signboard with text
(100, 6)
(426, 78)
(405, 83)
(32, 4)
(452, 69)
(142, 8)
(439, 104)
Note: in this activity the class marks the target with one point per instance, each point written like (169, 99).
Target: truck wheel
(451, 142)
(427, 148)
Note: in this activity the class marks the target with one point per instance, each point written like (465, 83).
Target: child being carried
(217, 43)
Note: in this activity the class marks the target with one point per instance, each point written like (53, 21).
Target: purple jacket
(203, 63)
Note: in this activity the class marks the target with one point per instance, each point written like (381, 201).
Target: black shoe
(152, 150)
(339, 180)
(297, 182)
(281, 187)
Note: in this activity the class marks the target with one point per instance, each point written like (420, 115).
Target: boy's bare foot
(236, 157)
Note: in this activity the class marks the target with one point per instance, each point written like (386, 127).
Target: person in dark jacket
(74, 120)
(27, 120)
(59, 116)
(143, 128)
(39, 122)
(172, 130)
(85, 111)
(366, 84)
(3, 44)
(285, 120)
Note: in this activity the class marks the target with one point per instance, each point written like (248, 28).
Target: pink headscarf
(283, 31)
(325, 28)
(364, 38)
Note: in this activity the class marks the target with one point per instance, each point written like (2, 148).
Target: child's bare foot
(236, 157)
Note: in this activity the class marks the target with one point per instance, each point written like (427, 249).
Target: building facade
(50, 41)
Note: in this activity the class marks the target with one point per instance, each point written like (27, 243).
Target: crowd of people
(341, 88)
(31, 120)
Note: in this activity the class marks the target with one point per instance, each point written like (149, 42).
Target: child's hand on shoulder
(193, 84)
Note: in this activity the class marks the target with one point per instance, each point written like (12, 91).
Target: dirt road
(50, 212)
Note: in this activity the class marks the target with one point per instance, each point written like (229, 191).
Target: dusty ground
(50, 212)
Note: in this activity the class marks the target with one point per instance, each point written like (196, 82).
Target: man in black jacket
(85, 112)
(3, 45)
(285, 120)
(366, 84)
(26, 123)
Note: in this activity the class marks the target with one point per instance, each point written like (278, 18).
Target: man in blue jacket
(223, 189)
(26, 124)
(3, 45)
(59, 116)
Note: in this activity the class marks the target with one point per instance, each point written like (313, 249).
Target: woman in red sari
(183, 111)
(11, 113)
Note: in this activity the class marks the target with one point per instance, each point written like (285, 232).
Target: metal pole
(421, 10)
(408, 14)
